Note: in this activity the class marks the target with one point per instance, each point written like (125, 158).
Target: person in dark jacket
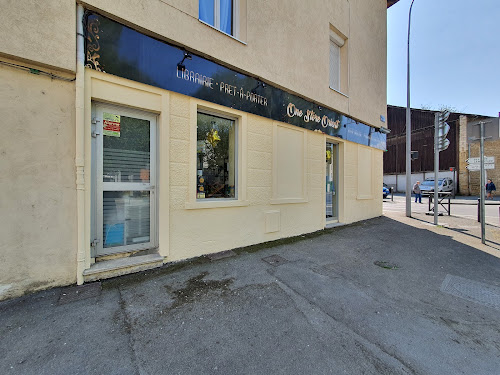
(490, 188)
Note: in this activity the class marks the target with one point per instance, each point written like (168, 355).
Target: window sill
(339, 92)
(215, 204)
(288, 200)
(222, 32)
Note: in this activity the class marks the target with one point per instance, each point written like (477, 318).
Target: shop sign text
(311, 116)
(225, 88)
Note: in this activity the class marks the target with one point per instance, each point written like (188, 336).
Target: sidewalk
(462, 228)
(460, 199)
(391, 295)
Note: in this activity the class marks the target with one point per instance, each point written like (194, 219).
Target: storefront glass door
(125, 180)
(331, 181)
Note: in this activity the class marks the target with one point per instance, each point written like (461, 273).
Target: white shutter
(334, 66)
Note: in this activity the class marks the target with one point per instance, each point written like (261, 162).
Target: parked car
(385, 191)
(444, 185)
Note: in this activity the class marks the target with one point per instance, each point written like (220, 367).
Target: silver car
(444, 185)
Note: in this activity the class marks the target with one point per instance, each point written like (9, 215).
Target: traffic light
(443, 129)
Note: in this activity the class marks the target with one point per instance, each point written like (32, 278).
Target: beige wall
(286, 43)
(363, 178)
(263, 212)
(39, 31)
(200, 231)
(37, 181)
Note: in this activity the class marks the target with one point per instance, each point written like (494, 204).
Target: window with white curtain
(221, 14)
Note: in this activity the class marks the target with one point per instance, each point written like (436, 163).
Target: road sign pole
(481, 145)
(408, 122)
(436, 166)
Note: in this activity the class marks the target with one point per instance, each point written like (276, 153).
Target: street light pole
(408, 123)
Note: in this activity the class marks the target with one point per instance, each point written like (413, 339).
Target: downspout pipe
(80, 143)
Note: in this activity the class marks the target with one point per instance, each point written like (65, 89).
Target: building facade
(469, 148)
(147, 132)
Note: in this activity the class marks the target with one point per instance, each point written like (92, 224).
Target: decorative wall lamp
(180, 65)
(383, 130)
(259, 84)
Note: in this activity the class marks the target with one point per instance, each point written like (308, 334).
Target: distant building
(451, 161)
(469, 148)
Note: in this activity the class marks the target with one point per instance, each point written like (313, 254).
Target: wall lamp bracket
(180, 65)
(383, 130)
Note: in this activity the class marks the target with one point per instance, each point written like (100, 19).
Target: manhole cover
(386, 265)
(275, 260)
(77, 293)
(484, 294)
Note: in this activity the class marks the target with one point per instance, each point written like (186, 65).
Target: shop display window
(215, 157)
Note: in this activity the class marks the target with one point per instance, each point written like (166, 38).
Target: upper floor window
(220, 14)
(338, 62)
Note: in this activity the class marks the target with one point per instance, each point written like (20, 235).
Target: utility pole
(441, 143)
(483, 203)
(436, 167)
(408, 123)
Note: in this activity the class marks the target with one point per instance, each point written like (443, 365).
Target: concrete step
(121, 266)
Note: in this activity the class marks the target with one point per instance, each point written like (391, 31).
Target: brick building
(451, 161)
(469, 148)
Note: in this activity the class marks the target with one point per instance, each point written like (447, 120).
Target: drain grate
(77, 293)
(275, 260)
(484, 294)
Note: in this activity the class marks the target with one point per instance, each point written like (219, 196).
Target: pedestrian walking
(490, 188)
(418, 192)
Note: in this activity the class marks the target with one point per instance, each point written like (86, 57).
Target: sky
(454, 55)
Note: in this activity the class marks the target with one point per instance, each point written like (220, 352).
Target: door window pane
(126, 218)
(216, 172)
(331, 181)
(126, 149)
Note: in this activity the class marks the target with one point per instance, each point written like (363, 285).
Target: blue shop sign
(119, 50)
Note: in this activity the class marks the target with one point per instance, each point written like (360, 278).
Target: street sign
(477, 167)
(487, 159)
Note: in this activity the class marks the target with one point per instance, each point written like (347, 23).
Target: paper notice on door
(110, 124)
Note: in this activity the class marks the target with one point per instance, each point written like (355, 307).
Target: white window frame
(240, 119)
(235, 20)
(98, 186)
(337, 42)
(236, 152)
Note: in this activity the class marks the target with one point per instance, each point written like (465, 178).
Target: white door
(331, 181)
(124, 168)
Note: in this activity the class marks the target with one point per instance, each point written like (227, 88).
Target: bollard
(392, 194)
(478, 210)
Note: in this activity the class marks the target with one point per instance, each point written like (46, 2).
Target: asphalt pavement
(391, 295)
